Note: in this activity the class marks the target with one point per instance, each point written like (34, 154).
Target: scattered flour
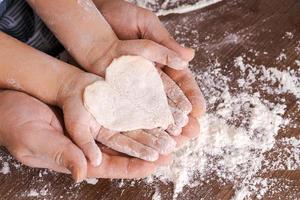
(5, 168)
(33, 193)
(237, 132)
(157, 194)
(240, 129)
(288, 35)
(92, 181)
(281, 57)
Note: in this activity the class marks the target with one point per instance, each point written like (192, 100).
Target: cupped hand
(84, 130)
(33, 134)
(130, 23)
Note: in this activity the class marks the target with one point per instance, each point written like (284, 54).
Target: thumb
(49, 148)
(72, 158)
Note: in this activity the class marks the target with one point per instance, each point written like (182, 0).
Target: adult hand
(33, 134)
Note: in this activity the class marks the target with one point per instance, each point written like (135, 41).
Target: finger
(180, 120)
(151, 51)
(180, 140)
(175, 94)
(55, 123)
(189, 86)
(82, 136)
(37, 162)
(122, 167)
(155, 31)
(174, 130)
(156, 139)
(163, 160)
(192, 129)
(125, 144)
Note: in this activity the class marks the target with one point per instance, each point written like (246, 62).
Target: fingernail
(153, 156)
(97, 161)
(76, 174)
(190, 55)
(178, 63)
(185, 106)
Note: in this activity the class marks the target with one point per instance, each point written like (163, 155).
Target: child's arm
(84, 32)
(25, 69)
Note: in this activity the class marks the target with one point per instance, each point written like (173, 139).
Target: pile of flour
(237, 132)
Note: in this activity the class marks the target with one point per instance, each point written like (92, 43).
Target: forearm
(28, 70)
(78, 25)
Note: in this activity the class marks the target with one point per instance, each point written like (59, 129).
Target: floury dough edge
(131, 97)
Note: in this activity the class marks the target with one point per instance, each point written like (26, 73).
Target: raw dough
(131, 97)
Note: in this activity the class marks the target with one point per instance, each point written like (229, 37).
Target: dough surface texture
(131, 97)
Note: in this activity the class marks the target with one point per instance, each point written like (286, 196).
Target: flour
(186, 8)
(13, 83)
(156, 195)
(5, 168)
(289, 35)
(92, 181)
(286, 81)
(172, 6)
(237, 132)
(35, 193)
(281, 57)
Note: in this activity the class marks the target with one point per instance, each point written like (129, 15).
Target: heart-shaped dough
(131, 97)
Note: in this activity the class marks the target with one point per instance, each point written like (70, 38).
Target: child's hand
(33, 134)
(84, 129)
(132, 22)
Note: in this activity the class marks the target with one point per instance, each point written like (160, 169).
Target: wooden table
(261, 25)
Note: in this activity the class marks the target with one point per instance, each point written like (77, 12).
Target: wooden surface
(260, 25)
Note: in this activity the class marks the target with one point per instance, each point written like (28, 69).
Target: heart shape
(131, 97)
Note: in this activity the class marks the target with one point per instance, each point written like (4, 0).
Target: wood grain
(259, 25)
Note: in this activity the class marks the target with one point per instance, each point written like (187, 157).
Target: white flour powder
(5, 169)
(167, 7)
(237, 132)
